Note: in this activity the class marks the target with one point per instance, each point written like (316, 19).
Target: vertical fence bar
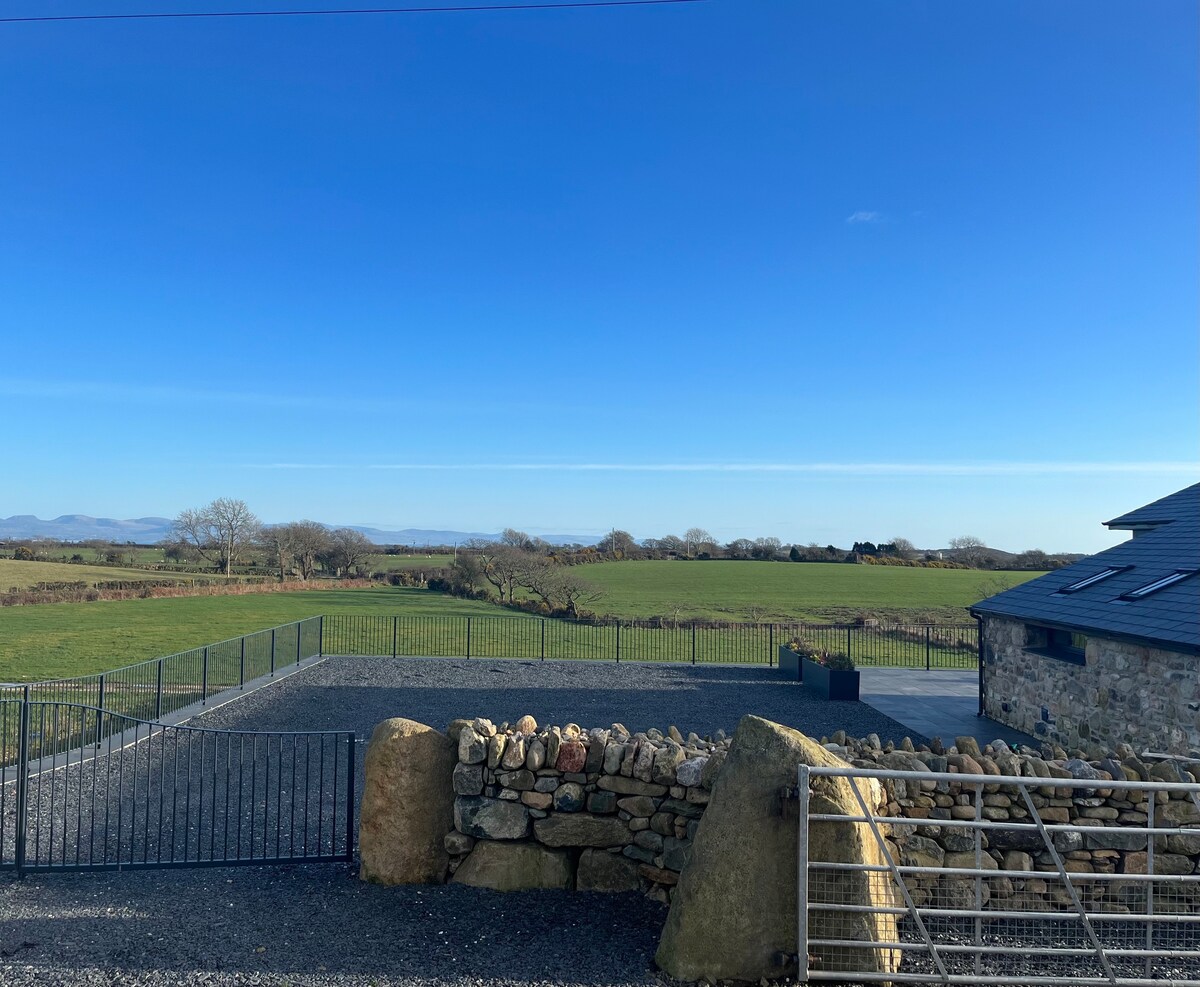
(321, 636)
(468, 638)
(242, 665)
(693, 642)
(204, 678)
(847, 640)
(927, 632)
(395, 631)
(771, 647)
(1150, 884)
(618, 640)
(158, 684)
(299, 640)
(272, 652)
(100, 706)
(22, 820)
(542, 647)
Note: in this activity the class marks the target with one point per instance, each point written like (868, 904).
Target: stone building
(1105, 651)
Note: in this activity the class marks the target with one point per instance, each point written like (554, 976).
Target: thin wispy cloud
(864, 216)
(835, 469)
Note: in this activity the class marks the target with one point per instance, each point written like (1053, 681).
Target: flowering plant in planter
(837, 661)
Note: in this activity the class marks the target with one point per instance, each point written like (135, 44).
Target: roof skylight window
(1096, 577)
(1163, 583)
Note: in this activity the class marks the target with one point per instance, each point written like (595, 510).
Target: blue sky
(826, 271)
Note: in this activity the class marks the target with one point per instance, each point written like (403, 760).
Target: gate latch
(787, 802)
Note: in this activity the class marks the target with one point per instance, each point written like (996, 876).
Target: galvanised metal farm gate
(1056, 922)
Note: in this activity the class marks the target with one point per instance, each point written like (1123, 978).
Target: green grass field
(63, 639)
(58, 640)
(781, 591)
(23, 575)
(394, 563)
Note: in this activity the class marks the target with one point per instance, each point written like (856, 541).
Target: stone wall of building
(1124, 694)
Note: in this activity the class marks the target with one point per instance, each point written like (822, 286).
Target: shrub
(837, 661)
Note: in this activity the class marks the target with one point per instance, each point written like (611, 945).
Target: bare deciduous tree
(559, 585)
(296, 547)
(347, 550)
(697, 540)
(969, 550)
(219, 532)
(903, 548)
(503, 566)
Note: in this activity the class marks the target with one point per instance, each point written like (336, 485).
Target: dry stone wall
(524, 806)
(1122, 849)
(599, 809)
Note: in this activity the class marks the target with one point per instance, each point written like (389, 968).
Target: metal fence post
(802, 876)
(321, 636)
(542, 650)
(618, 640)
(927, 647)
(99, 709)
(771, 647)
(350, 765)
(395, 632)
(204, 679)
(468, 638)
(847, 640)
(299, 641)
(242, 665)
(272, 652)
(693, 642)
(22, 820)
(158, 691)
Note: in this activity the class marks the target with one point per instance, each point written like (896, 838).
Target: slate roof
(1167, 618)
(1182, 503)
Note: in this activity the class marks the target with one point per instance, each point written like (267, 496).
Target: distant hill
(148, 530)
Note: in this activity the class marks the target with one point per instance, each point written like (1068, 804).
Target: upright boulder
(733, 913)
(407, 804)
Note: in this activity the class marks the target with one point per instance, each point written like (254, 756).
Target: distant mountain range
(147, 530)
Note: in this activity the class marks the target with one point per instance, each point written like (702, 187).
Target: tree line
(225, 531)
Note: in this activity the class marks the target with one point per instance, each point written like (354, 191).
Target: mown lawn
(63, 639)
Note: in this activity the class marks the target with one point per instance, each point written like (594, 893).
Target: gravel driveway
(316, 924)
(356, 693)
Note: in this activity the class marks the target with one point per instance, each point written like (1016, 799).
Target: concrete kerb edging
(117, 742)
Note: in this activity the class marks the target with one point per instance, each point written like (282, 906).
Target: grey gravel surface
(317, 924)
(314, 925)
(356, 693)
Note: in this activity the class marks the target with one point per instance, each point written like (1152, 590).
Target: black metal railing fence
(92, 789)
(927, 646)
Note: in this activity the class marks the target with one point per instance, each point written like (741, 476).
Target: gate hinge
(787, 802)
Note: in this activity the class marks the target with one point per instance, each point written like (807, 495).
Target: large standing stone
(491, 819)
(733, 913)
(600, 870)
(407, 804)
(582, 829)
(515, 867)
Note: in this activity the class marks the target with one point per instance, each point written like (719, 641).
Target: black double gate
(86, 788)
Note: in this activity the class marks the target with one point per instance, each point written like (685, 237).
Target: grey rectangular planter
(790, 664)
(829, 683)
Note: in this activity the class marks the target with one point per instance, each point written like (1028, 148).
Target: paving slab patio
(940, 703)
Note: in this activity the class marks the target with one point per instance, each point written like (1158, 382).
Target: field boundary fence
(1046, 918)
(916, 646)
